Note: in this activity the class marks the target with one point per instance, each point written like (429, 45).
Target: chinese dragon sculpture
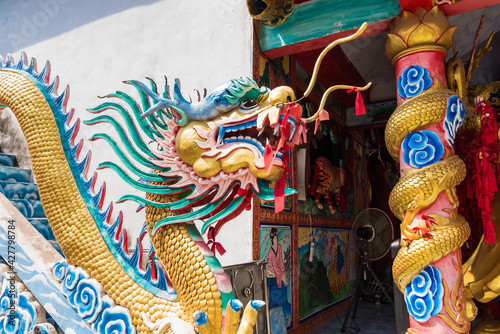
(421, 136)
(199, 160)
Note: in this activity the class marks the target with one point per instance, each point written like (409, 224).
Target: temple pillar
(420, 135)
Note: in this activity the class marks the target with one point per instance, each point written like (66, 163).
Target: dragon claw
(232, 321)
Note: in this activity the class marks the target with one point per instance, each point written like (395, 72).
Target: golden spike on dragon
(205, 160)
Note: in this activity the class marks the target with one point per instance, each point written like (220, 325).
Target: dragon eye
(218, 99)
(247, 105)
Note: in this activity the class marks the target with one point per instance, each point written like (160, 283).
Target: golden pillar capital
(419, 31)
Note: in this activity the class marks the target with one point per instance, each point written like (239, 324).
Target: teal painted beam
(316, 23)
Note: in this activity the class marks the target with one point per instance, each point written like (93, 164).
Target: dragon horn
(177, 93)
(325, 51)
(160, 101)
(325, 96)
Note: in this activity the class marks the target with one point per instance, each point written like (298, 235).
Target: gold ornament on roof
(270, 12)
(422, 30)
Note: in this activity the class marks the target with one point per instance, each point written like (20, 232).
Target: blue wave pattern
(422, 148)
(87, 297)
(424, 295)
(413, 81)
(17, 313)
(455, 114)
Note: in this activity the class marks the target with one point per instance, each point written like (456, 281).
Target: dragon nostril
(281, 94)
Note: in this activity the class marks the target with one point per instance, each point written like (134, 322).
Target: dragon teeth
(274, 115)
(222, 132)
(261, 131)
(261, 120)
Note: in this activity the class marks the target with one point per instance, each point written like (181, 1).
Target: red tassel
(360, 105)
(489, 232)
(279, 194)
(212, 244)
(284, 129)
(211, 233)
(242, 192)
(323, 116)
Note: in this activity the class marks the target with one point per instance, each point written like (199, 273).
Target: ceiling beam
(466, 6)
(315, 24)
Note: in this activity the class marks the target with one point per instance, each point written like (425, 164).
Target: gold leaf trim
(420, 48)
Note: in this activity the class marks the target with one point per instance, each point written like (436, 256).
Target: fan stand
(363, 268)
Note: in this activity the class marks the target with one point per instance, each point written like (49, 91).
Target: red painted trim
(295, 277)
(321, 42)
(465, 6)
(413, 5)
(255, 230)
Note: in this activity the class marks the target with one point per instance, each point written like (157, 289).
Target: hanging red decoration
(360, 105)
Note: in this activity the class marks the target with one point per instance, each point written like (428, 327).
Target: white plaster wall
(94, 45)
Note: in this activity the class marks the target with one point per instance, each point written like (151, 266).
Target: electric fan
(374, 234)
(374, 231)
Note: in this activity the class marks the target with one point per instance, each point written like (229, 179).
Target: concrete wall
(94, 45)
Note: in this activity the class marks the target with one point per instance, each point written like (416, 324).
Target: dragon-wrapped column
(420, 135)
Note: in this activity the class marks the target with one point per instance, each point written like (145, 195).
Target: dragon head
(219, 150)
(215, 153)
(237, 138)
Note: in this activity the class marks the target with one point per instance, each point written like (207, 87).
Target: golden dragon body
(73, 224)
(191, 268)
(419, 188)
